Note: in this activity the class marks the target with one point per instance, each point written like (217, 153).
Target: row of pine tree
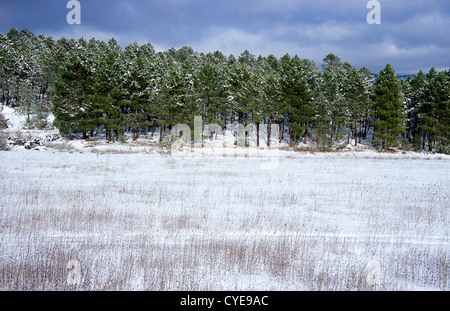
(95, 86)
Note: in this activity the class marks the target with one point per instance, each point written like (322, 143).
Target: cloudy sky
(413, 34)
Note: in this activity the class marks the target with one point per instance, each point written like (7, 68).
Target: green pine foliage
(357, 94)
(109, 95)
(3, 121)
(99, 87)
(73, 109)
(389, 113)
(297, 96)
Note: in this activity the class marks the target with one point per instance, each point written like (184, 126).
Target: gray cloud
(412, 34)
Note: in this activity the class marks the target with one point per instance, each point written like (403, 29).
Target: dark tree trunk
(135, 133)
(306, 134)
(257, 134)
(280, 136)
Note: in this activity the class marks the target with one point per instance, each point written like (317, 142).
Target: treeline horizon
(95, 86)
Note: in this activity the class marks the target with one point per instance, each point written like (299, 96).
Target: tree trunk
(291, 138)
(7, 97)
(108, 135)
(360, 129)
(331, 137)
(28, 112)
(430, 143)
(364, 128)
(281, 131)
(306, 134)
(257, 134)
(269, 132)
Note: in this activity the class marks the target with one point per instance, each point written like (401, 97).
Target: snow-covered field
(77, 215)
(344, 221)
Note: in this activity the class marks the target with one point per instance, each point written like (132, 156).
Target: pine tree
(369, 84)
(257, 99)
(336, 110)
(274, 107)
(389, 117)
(413, 89)
(435, 110)
(108, 90)
(297, 96)
(72, 107)
(356, 94)
(3, 121)
(140, 87)
(175, 84)
(210, 93)
(188, 104)
(29, 97)
(9, 57)
(443, 112)
(162, 109)
(3, 67)
(247, 58)
(239, 92)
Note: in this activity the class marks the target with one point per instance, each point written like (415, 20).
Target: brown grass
(170, 232)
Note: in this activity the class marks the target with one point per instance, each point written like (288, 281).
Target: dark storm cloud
(412, 35)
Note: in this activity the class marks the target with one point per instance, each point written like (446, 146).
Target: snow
(138, 218)
(225, 224)
(15, 120)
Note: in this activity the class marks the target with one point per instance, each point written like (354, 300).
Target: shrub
(38, 124)
(3, 142)
(3, 121)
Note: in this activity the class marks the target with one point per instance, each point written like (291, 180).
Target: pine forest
(96, 87)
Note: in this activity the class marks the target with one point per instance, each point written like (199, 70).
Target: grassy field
(103, 221)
